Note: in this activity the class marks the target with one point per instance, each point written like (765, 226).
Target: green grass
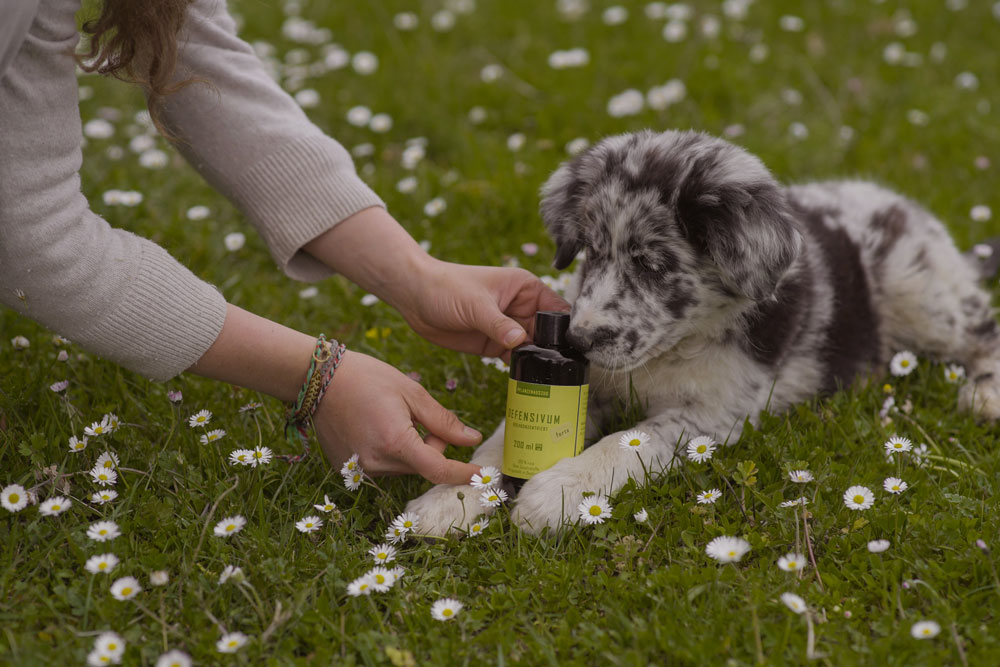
(617, 593)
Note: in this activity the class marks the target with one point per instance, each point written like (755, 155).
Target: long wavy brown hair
(136, 41)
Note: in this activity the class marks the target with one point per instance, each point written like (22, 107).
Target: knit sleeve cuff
(296, 194)
(165, 320)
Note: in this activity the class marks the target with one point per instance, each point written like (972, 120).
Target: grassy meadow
(904, 93)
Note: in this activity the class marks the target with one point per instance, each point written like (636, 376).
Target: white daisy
(309, 524)
(103, 496)
(102, 531)
(700, 449)
(894, 485)
(110, 644)
(477, 527)
(708, 497)
(360, 586)
(727, 549)
(231, 642)
(594, 509)
(801, 500)
(395, 535)
(200, 418)
(198, 212)
(234, 572)
(77, 444)
(327, 506)
(353, 480)
(104, 476)
(230, 525)
(925, 630)
(111, 419)
(212, 436)
(794, 602)
(801, 476)
(878, 546)
(898, 444)
(634, 440)
(383, 553)
(641, 516)
(107, 460)
(125, 588)
(251, 407)
(97, 429)
(54, 506)
(486, 477)
(446, 609)
(435, 207)
(350, 465)
(261, 456)
(903, 363)
(859, 498)
(96, 658)
(492, 497)
(241, 457)
(101, 564)
(954, 373)
(14, 498)
(407, 521)
(159, 578)
(20, 343)
(174, 658)
(792, 562)
(381, 578)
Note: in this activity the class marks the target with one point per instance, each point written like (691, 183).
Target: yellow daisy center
(409, 524)
(792, 564)
(102, 531)
(99, 430)
(486, 479)
(126, 590)
(309, 525)
(379, 579)
(634, 442)
(108, 464)
(200, 419)
(382, 555)
(231, 526)
(13, 498)
(55, 508)
(904, 363)
(595, 510)
(927, 631)
(102, 566)
(447, 612)
(895, 487)
(701, 449)
(112, 646)
(232, 643)
(732, 554)
(859, 499)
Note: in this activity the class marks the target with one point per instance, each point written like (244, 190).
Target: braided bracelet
(325, 360)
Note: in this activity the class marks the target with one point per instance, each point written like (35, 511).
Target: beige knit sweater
(116, 294)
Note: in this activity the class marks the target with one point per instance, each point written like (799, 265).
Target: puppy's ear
(560, 208)
(746, 228)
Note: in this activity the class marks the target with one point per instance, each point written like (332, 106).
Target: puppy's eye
(645, 263)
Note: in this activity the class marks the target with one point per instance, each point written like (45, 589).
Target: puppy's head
(677, 229)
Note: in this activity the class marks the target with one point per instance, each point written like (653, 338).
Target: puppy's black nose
(587, 339)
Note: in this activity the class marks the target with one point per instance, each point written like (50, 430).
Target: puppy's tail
(985, 256)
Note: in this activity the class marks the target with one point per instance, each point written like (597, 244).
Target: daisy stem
(958, 644)
(255, 601)
(208, 520)
(753, 617)
(810, 637)
(163, 627)
(812, 556)
(943, 469)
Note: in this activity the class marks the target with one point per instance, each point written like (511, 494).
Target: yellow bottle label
(545, 423)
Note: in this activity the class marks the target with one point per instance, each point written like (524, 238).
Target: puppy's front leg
(440, 509)
(551, 498)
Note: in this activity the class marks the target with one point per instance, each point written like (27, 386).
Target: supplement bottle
(546, 402)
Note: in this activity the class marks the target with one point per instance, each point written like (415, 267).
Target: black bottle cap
(550, 328)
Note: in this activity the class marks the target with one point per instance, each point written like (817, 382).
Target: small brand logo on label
(536, 390)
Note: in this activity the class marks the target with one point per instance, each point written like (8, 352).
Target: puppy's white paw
(981, 394)
(550, 498)
(441, 510)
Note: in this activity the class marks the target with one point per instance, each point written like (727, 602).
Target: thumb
(498, 326)
(442, 422)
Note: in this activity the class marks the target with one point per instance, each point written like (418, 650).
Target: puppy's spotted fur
(721, 292)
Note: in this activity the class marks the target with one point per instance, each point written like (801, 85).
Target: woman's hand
(372, 409)
(478, 309)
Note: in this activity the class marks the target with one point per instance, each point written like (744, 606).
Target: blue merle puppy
(720, 292)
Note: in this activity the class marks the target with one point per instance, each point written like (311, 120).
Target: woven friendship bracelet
(322, 366)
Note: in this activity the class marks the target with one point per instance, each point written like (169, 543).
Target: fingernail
(512, 337)
(471, 432)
